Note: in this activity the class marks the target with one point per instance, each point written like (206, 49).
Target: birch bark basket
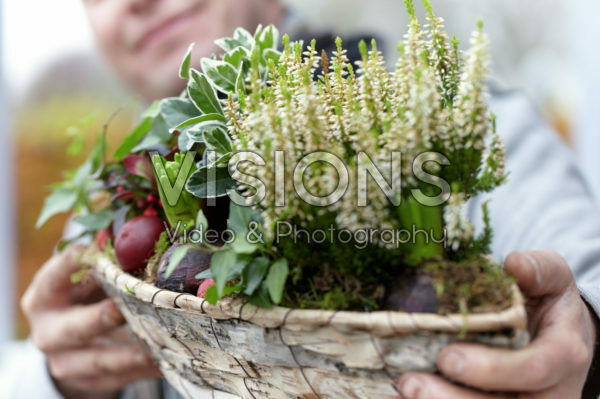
(236, 350)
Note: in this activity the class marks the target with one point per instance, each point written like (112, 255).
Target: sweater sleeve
(546, 202)
(24, 373)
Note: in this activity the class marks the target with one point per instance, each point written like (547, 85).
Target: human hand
(554, 365)
(81, 333)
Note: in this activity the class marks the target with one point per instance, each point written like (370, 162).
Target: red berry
(150, 199)
(204, 286)
(135, 242)
(140, 203)
(101, 236)
(120, 189)
(150, 212)
(160, 203)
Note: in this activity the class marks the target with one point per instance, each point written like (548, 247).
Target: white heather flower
(459, 230)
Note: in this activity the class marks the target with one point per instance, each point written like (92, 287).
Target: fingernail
(452, 363)
(411, 388)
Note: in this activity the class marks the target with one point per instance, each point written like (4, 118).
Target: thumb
(539, 273)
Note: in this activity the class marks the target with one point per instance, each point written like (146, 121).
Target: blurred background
(56, 94)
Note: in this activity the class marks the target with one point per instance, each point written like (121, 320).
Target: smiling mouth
(156, 32)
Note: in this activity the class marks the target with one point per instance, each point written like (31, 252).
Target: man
(89, 354)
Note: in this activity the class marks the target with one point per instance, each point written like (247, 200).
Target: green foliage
(179, 205)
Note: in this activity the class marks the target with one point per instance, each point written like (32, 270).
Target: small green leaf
(260, 297)
(211, 295)
(201, 185)
(222, 74)
(199, 119)
(203, 275)
(184, 69)
(158, 134)
(152, 111)
(61, 200)
(276, 279)
(237, 56)
(133, 138)
(244, 37)
(269, 38)
(176, 110)
(217, 140)
(221, 266)
(203, 94)
(270, 54)
(254, 274)
(240, 219)
(176, 258)
(96, 221)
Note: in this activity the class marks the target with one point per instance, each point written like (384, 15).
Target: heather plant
(409, 147)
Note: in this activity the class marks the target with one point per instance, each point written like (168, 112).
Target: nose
(140, 6)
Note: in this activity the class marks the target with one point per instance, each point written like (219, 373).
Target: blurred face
(145, 40)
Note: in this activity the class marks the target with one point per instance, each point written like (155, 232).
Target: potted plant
(292, 225)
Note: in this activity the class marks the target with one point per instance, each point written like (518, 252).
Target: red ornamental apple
(204, 286)
(134, 244)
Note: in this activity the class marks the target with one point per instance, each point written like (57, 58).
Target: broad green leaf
(185, 142)
(271, 54)
(276, 279)
(254, 274)
(184, 69)
(240, 219)
(216, 139)
(59, 201)
(228, 44)
(222, 74)
(240, 86)
(203, 94)
(158, 134)
(221, 265)
(152, 111)
(196, 132)
(237, 56)
(176, 110)
(96, 221)
(269, 38)
(244, 37)
(205, 274)
(133, 138)
(260, 297)
(175, 259)
(220, 181)
(199, 119)
(211, 295)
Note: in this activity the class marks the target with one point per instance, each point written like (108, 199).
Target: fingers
(539, 273)
(98, 361)
(75, 326)
(51, 285)
(530, 369)
(426, 386)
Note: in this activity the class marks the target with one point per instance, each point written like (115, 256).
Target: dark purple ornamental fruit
(413, 294)
(183, 278)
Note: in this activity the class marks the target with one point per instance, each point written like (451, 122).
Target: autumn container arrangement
(292, 224)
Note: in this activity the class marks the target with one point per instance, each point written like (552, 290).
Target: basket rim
(381, 323)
